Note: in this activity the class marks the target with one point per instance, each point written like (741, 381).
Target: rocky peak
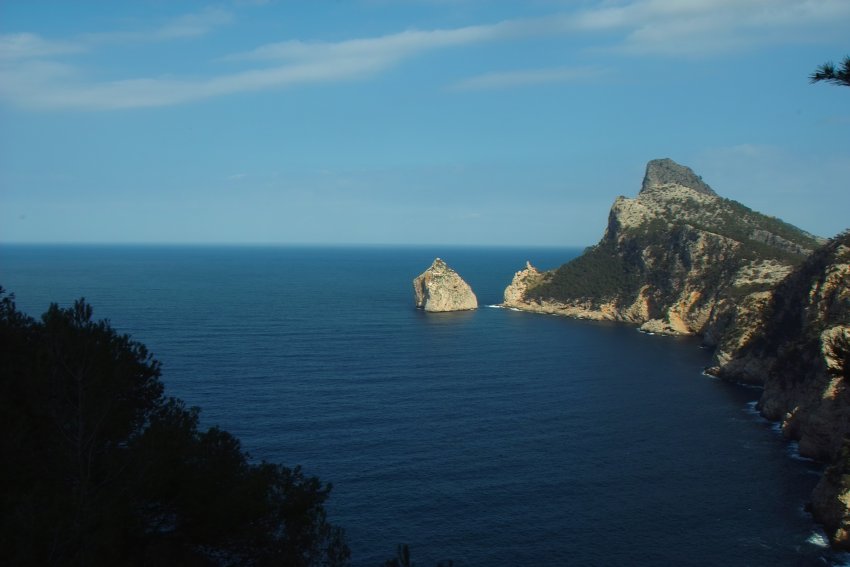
(664, 173)
(439, 266)
(440, 288)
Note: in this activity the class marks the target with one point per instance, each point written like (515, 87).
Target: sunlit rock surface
(440, 288)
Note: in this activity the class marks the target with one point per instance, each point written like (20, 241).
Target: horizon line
(282, 244)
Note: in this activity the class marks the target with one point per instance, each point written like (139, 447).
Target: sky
(448, 122)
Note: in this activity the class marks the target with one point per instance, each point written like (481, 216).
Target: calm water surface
(492, 437)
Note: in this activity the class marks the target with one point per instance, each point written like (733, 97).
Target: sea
(491, 437)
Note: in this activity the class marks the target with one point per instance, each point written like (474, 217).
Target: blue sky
(410, 121)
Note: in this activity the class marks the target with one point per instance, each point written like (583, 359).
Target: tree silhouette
(828, 73)
(101, 468)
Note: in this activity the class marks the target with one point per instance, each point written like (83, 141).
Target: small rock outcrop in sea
(440, 288)
(523, 279)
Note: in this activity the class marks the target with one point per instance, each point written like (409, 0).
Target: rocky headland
(677, 259)
(440, 288)
(772, 300)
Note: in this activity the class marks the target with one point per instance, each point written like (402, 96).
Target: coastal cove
(491, 437)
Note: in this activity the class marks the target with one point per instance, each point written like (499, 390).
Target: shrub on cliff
(598, 274)
(102, 469)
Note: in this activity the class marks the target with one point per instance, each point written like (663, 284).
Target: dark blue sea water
(492, 437)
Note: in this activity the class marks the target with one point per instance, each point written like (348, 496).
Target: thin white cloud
(32, 87)
(526, 77)
(710, 27)
(27, 46)
(182, 27)
(297, 63)
(396, 46)
(676, 28)
(22, 46)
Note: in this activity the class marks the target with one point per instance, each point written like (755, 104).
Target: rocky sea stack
(440, 288)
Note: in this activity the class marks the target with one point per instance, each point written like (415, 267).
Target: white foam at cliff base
(738, 384)
(819, 539)
(794, 452)
(752, 408)
(496, 306)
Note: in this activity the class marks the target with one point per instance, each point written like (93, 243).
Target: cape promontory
(440, 288)
(676, 259)
(773, 301)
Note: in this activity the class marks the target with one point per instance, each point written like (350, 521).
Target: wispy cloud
(405, 44)
(710, 27)
(527, 77)
(21, 46)
(32, 75)
(182, 27)
(27, 46)
(292, 63)
(61, 86)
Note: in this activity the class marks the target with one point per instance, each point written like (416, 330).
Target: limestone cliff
(522, 281)
(800, 347)
(440, 288)
(677, 259)
(831, 500)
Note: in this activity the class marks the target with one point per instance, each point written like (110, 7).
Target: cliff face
(801, 345)
(440, 288)
(802, 348)
(677, 259)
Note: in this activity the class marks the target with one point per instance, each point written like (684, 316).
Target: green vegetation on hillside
(102, 469)
(737, 221)
(656, 252)
(600, 273)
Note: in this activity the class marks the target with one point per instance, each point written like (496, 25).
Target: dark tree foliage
(100, 468)
(830, 74)
(402, 559)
